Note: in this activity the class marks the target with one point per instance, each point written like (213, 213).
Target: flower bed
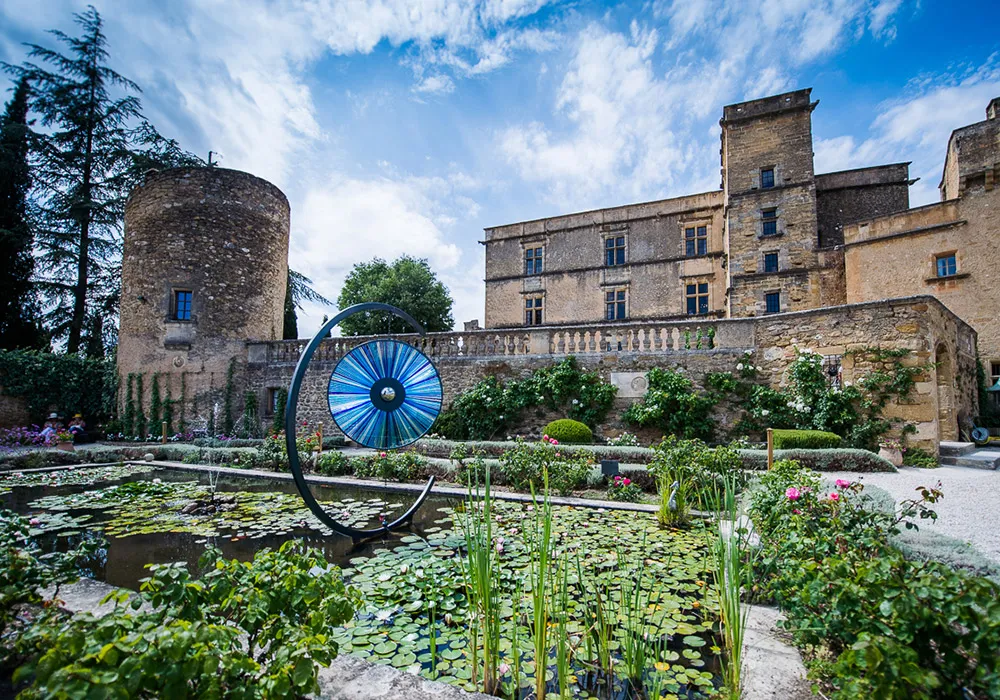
(871, 623)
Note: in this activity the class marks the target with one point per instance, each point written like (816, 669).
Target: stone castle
(778, 258)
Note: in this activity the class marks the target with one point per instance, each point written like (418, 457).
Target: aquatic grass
(562, 611)
(480, 568)
(733, 569)
(673, 508)
(539, 541)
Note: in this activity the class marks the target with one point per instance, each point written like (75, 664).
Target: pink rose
(626, 481)
(797, 511)
(793, 493)
(553, 441)
(834, 496)
(842, 483)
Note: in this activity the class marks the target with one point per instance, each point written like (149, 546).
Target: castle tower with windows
(204, 271)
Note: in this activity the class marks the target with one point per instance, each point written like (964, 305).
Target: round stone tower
(204, 270)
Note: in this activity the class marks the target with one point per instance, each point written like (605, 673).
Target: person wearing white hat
(52, 426)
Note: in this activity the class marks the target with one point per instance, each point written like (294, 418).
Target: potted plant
(892, 450)
(64, 440)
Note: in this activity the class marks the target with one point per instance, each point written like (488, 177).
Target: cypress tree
(92, 150)
(19, 326)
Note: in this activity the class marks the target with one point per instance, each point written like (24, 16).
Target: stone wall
(625, 352)
(222, 235)
(575, 279)
(856, 195)
(896, 256)
(13, 411)
(973, 156)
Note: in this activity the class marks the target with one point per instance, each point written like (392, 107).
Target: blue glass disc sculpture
(384, 394)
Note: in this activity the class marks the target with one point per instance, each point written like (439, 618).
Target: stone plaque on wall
(631, 385)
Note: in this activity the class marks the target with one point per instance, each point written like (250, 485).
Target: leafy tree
(407, 283)
(18, 306)
(298, 291)
(92, 149)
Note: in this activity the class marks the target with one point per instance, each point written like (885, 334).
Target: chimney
(993, 110)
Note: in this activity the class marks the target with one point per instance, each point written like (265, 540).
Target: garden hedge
(805, 440)
(841, 459)
(571, 432)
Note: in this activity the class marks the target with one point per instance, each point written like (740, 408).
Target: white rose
(739, 367)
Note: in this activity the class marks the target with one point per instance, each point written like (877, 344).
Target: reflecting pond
(410, 579)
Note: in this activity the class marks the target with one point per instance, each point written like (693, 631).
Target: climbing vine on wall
(227, 415)
(141, 429)
(155, 404)
(278, 424)
(251, 416)
(492, 406)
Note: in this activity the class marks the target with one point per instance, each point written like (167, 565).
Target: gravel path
(969, 511)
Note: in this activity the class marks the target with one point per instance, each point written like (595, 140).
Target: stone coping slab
(772, 668)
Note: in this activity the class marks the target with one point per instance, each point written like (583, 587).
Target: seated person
(52, 426)
(77, 425)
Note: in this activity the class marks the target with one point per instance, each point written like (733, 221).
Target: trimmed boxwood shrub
(443, 448)
(840, 459)
(572, 432)
(805, 440)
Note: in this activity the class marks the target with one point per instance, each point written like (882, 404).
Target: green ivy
(492, 407)
(673, 404)
(71, 383)
(141, 429)
(227, 414)
(168, 409)
(278, 424)
(155, 405)
(251, 416)
(129, 412)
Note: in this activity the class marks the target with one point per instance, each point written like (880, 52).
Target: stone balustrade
(639, 337)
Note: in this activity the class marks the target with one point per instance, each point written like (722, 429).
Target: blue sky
(400, 126)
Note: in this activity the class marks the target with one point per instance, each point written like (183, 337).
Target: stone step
(956, 449)
(981, 459)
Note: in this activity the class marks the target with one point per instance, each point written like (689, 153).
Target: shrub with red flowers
(872, 623)
(622, 488)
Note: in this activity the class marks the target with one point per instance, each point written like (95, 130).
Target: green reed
(539, 540)
(481, 573)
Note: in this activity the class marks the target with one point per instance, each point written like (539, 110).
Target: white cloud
(917, 126)
(626, 128)
(436, 84)
(343, 221)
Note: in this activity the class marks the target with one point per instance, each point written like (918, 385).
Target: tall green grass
(481, 573)
(733, 567)
(539, 540)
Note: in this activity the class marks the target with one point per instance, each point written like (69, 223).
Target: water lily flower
(403, 569)
(503, 669)
(499, 547)
(156, 481)
(419, 573)
(842, 483)
(792, 493)
(34, 521)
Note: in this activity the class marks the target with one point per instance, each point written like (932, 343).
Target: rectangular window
(946, 265)
(614, 251)
(770, 262)
(772, 302)
(696, 240)
(767, 178)
(182, 306)
(994, 372)
(769, 222)
(533, 261)
(272, 401)
(533, 311)
(614, 305)
(697, 298)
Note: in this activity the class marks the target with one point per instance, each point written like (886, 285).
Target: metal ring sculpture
(382, 394)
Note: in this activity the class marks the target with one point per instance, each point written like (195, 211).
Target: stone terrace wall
(623, 353)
